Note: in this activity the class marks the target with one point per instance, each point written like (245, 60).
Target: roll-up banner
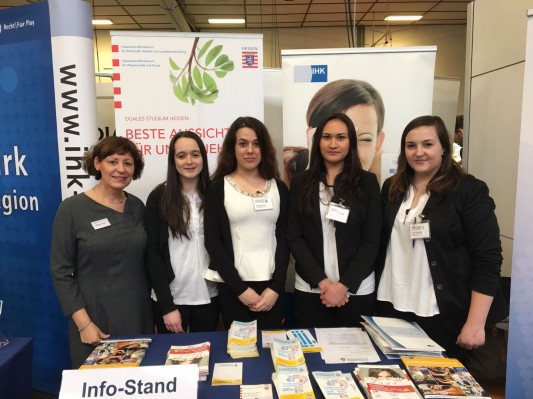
(46, 119)
(75, 90)
(520, 345)
(169, 82)
(322, 81)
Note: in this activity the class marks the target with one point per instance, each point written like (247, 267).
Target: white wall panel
(499, 33)
(493, 138)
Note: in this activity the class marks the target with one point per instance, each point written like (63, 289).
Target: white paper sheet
(346, 345)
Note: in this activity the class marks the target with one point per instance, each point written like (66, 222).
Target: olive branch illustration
(195, 82)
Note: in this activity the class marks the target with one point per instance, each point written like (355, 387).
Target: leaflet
(346, 345)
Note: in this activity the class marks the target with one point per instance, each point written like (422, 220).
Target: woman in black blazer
(440, 257)
(246, 208)
(334, 228)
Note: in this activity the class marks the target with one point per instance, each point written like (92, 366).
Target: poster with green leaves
(166, 82)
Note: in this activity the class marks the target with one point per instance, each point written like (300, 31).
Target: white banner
(402, 76)
(75, 90)
(169, 82)
(520, 347)
(150, 382)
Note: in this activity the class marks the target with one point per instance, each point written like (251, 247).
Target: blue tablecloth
(15, 369)
(257, 370)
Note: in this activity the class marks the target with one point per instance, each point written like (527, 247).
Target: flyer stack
(191, 354)
(242, 339)
(291, 378)
(397, 337)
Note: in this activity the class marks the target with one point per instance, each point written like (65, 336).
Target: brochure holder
(3, 339)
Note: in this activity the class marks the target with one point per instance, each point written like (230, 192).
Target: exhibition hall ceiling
(193, 15)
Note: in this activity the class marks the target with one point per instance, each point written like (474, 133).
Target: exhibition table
(15, 369)
(256, 370)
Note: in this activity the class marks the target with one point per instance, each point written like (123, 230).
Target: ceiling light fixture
(226, 20)
(102, 22)
(403, 18)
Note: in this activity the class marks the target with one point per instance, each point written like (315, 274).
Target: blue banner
(30, 190)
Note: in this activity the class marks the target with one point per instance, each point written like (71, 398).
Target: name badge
(262, 203)
(337, 212)
(100, 224)
(420, 230)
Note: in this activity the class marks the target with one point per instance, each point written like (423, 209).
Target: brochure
(438, 378)
(308, 343)
(397, 337)
(242, 339)
(191, 354)
(259, 391)
(386, 382)
(346, 345)
(287, 353)
(118, 353)
(293, 383)
(337, 385)
(267, 336)
(227, 374)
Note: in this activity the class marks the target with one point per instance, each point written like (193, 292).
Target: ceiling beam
(180, 17)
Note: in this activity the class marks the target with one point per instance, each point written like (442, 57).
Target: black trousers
(233, 309)
(194, 318)
(310, 312)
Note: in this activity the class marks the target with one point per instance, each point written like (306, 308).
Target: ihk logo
(319, 73)
(311, 73)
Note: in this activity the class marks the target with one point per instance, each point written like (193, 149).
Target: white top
(331, 261)
(253, 233)
(189, 260)
(406, 280)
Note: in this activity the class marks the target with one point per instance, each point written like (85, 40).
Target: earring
(442, 154)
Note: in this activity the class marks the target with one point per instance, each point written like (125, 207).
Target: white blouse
(253, 232)
(406, 280)
(331, 261)
(189, 260)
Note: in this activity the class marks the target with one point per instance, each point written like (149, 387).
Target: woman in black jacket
(334, 228)
(441, 252)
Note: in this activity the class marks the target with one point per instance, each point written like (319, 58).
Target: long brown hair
(346, 185)
(446, 177)
(175, 208)
(227, 163)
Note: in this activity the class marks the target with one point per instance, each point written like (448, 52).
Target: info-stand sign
(150, 382)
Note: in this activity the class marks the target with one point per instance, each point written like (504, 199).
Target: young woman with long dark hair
(334, 229)
(176, 256)
(246, 211)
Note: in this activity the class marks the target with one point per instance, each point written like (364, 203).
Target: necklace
(120, 201)
(258, 193)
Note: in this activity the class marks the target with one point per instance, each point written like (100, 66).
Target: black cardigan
(157, 253)
(219, 244)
